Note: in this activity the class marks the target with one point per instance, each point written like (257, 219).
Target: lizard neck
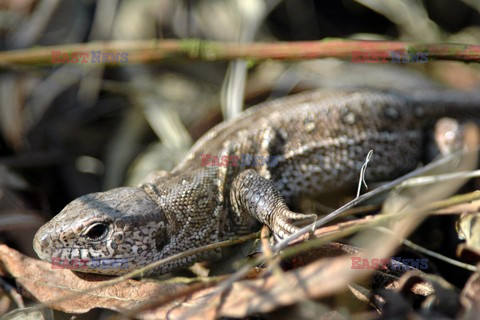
(193, 204)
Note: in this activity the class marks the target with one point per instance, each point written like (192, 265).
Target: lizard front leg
(252, 195)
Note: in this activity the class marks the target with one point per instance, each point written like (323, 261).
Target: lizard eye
(97, 231)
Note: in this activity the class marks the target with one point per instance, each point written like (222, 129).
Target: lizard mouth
(47, 252)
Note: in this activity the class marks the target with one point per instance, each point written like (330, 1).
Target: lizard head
(110, 232)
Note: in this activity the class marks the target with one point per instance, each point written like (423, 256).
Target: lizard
(319, 140)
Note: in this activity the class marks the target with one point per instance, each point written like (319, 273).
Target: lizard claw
(283, 222)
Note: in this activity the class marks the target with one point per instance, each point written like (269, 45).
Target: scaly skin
(321, 139)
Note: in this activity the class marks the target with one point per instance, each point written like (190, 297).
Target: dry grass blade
(448, 160)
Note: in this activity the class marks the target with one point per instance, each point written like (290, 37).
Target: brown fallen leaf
(44, 284)
(318, 279)
(40, 282)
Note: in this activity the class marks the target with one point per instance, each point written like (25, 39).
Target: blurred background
(71, 129)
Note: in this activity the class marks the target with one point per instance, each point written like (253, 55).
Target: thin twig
(431, 253)
(12, 293)
(419, 181)
(144, 51)
(362, 173)
(282, 244)
(269, 255)
(332, 233)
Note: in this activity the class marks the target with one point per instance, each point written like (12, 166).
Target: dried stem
(157, 50)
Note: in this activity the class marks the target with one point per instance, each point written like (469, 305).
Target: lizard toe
(283, 226)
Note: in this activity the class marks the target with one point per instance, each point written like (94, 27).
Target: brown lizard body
(318, 140)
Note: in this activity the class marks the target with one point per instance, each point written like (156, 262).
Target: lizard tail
(447, 103)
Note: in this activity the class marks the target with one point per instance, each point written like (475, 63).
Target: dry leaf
(44, 284)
